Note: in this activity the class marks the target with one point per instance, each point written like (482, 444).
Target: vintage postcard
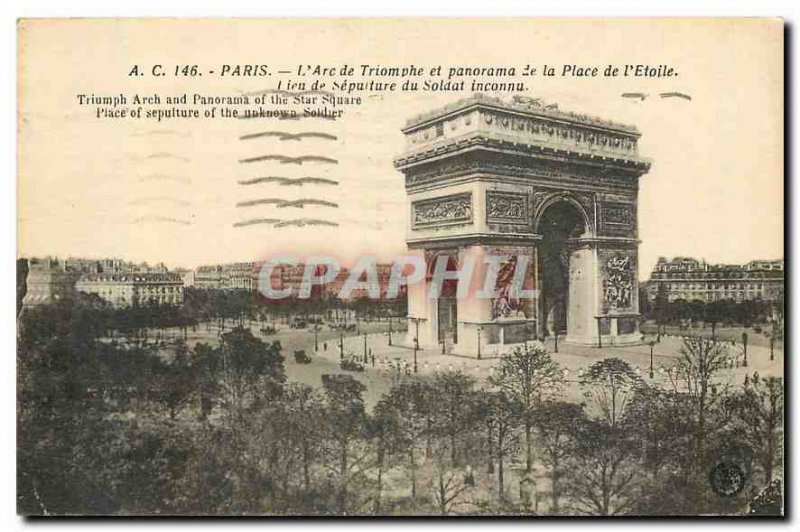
(400, 267)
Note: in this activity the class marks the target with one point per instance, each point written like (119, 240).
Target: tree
(251, 377)
(661, 307)
(76, 454)
(714, 312)
(448, 487)
(557, 424)
(177, 380)
(452, 391)
(758, 411)
(505, 416)
(702, 399)
(528, 375)
(250, 368)
(206, 365)
(775, 333)
(345, 415)
(602, 475)
(661, 425)
(286, 443)
(379, 429)
(609, 384)
(304, 414)
(699, 360)
(406, 411)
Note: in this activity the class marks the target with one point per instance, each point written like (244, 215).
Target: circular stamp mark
(727, 479)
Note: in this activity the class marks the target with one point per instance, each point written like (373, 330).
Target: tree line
(729, 312)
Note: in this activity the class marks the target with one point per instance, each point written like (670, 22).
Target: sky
(148, 191)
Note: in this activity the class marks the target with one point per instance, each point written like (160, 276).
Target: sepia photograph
(400, 267)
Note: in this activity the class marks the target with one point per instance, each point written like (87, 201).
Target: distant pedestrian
(324, 346)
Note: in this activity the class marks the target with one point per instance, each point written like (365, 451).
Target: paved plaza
(395, 363)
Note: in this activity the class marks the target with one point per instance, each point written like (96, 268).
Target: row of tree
(205, 304)
(225, 307)
(728, 312)
(114, 429)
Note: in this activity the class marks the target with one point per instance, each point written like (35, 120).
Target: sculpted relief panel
(445, 210)
(508, 304)
(504, 207)
(619, 280)
(618, 219)
(618, 214)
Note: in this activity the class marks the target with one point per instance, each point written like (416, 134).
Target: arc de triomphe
(522, 178)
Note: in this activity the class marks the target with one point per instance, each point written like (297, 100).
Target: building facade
(210, 277)
(232, 276)
(383, 274)
(517, 179)
(245, 276)
(685, 278)
(119, 282)
(134, 288)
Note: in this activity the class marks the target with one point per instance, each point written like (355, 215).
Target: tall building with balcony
(134, 288)
(243, 276)
(118, 282)
(691, 279)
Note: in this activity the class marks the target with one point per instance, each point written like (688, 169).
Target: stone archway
(563, 199)
(560, 222)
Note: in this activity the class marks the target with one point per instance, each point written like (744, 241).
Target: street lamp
(555, 337)
(772, 335)
(416, 340)
(479, 342)
(341, 345)
(771, 347)
(316, 339)
(744, 341)
(652, 343)
(416, 348)
(390, 330)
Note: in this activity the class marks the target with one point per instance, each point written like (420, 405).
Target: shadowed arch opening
(558, 223)
(447, 302)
